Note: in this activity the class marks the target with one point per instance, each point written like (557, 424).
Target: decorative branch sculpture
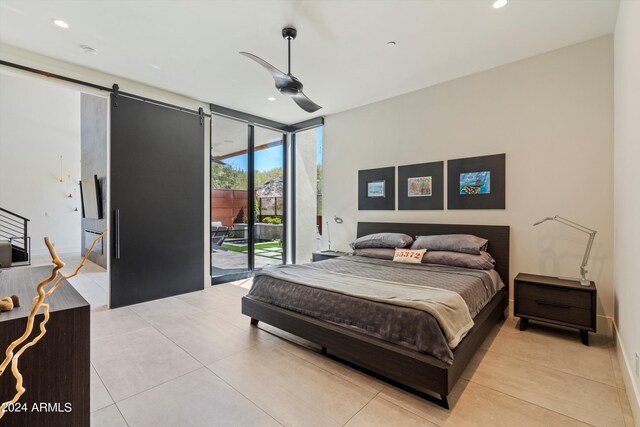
(38, 302)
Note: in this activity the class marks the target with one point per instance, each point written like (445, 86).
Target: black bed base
(441, 401)
(415, 372)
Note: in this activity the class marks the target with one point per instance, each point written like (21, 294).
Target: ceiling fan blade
(305, 103)
(281, 78)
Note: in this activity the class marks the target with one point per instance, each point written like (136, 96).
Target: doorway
(248, 195)
(44, 158)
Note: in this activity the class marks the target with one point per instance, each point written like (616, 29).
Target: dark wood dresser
(56, 370)
(554, 300)
(322, 255)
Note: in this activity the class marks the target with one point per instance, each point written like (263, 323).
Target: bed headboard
(497, 235)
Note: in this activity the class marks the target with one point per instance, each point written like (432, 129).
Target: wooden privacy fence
(229, 206)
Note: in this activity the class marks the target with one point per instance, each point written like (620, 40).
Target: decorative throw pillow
(410, 256)
(382, 240)
(379, 253)
(464, 243)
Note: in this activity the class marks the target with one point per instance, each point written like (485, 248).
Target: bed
(424, 371)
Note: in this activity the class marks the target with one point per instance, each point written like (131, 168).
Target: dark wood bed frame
(418, 372)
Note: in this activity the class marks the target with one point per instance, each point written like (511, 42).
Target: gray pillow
(380, 253)
(464, 243)
(383, 240)
(484, 261)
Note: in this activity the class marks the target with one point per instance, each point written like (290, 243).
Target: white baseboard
(629, 379)
(604, 325)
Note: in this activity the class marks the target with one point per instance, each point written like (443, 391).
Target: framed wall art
(420, 186)
(376, 189)
(476, 182)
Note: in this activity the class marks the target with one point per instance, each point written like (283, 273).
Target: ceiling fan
(287, 84)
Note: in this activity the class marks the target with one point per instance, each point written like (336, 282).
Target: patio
(225, 261)
(229, 246)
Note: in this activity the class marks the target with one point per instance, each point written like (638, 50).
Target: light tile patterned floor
(194, 360)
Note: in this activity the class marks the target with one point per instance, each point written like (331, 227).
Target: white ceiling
(231, 136)
(340, 53)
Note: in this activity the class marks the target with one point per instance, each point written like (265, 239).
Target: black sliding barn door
(157, 212)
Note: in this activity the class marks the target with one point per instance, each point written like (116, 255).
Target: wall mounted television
(91, 197)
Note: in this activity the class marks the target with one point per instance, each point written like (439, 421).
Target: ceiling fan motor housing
(292, 87)
(289, 91)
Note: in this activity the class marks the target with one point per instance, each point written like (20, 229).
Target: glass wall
(308, 194)
(250, 225)
(229, 199)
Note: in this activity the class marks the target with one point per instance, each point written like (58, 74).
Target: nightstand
(322, 255)
(554, 300)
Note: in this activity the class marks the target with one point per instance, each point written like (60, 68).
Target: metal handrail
(15, 214)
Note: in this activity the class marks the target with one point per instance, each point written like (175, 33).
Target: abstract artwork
(376, 189)
(476, 182)
(419, 186)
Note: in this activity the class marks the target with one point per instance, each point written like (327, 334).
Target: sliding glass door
(247, 199)
(229, 199)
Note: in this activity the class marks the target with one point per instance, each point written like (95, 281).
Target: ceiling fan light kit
(286, 83)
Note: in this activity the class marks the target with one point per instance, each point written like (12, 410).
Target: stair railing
(15, 228)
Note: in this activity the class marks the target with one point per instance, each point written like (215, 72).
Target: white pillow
(410, 256)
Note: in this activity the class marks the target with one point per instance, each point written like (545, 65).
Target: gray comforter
(424, 313)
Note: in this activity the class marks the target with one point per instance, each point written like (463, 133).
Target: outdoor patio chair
(218, 234)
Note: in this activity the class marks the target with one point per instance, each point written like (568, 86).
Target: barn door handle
(116, 216)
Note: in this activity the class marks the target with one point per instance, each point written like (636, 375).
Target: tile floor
(194, 360)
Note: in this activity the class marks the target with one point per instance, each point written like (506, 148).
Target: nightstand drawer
(570, 297)
(553, 310)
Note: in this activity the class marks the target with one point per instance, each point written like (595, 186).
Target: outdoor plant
(256, 209)
(272, 220)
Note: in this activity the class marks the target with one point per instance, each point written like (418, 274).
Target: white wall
(551, 114)
(626, 195)
(39, 122)
(306, 194)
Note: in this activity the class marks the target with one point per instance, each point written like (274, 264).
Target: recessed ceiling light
(88, 49)
(391, 43)
(497, 4)
(271, 98)
(60, 23)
